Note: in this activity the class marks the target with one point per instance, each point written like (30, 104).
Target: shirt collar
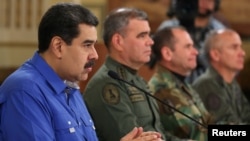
(172, 77)
(133, 71)
(72, 84)
(48, 73)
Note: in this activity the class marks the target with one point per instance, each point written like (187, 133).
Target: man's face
(206, 7)
(184, 55)
(78, 58)
(137, 43)
(230, 53)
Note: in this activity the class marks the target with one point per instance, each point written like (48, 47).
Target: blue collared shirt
(34, 107)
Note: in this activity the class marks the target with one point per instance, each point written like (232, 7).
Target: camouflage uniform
(117, 107)
(173, 91)
(225, 101)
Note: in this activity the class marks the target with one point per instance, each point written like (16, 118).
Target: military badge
(111, 94)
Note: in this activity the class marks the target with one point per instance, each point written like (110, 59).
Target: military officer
(174, 58)
(116, 107)
(218, 86)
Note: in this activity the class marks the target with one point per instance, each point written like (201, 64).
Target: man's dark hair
(185, 5)
(117, 21)
(187, 10)
(162, 37)
(63, 20)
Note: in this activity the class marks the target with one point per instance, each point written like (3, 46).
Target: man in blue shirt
(40, 101)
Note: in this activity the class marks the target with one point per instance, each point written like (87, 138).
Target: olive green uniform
(169, 88)
(117, 107)
(225, 101)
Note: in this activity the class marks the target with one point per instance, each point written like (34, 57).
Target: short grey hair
(117, 21)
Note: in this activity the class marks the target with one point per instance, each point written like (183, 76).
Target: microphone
(114, 75)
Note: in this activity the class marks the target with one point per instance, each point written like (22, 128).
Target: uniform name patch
(137, 97)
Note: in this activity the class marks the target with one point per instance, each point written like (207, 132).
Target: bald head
(224, 50)
(218, 38)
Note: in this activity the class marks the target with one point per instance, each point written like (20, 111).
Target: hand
(137, 134)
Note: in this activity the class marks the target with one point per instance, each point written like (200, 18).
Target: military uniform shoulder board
(121, 72)
(111, 94)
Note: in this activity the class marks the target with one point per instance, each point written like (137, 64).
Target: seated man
(218, 87)
(175, 58)
(117, 108)
(41, 100)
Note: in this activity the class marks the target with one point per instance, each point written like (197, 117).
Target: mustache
(89, 64)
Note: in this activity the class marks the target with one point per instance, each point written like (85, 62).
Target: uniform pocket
(64, 124)
(142, 108)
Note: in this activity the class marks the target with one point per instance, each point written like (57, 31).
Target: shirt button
(69, 122)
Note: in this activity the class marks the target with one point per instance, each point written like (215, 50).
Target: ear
(117, 41)
(166, 53)
(214, 54)
(56, 46)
